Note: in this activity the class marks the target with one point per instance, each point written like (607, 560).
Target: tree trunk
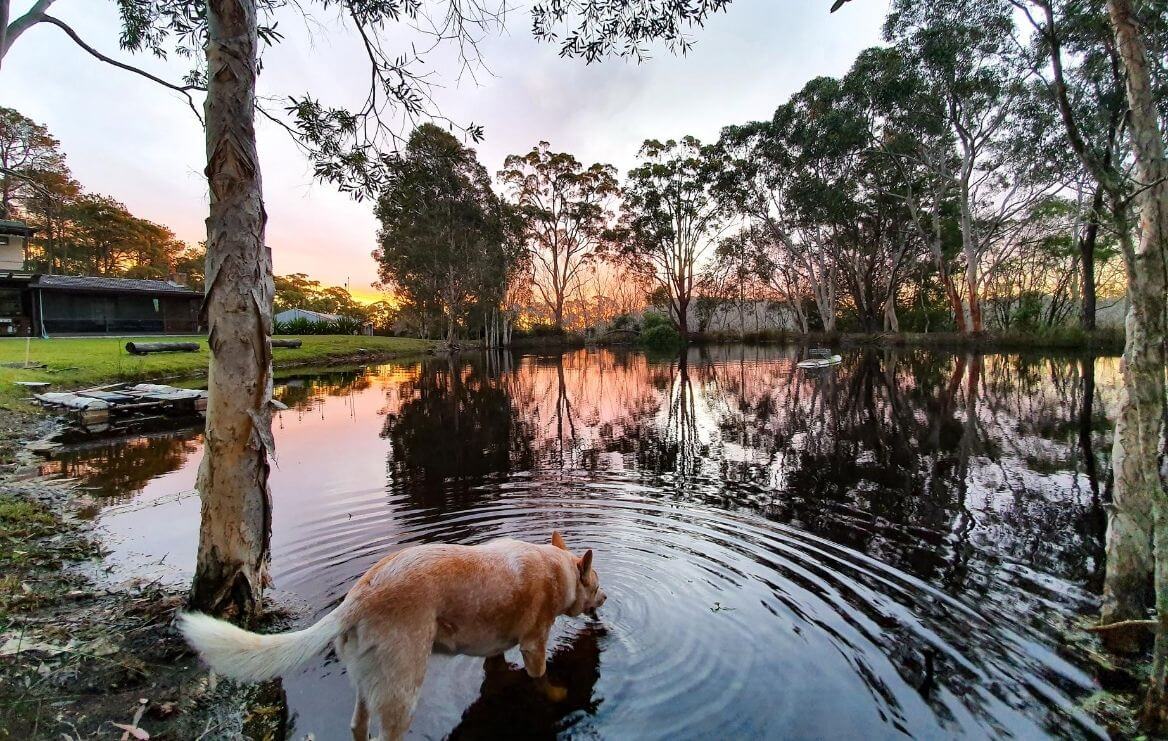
(1139, 491)
(891, 322)
(232, 566)
(971, 281)
(1087, 262)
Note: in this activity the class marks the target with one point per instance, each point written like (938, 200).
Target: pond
(893, 546)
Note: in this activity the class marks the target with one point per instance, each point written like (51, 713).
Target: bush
(655, 319)
(623, 322)
(343, 325)
(660, 336)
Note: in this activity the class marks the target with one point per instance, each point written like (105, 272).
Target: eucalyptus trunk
(1087, 242)
(234, 536)
(1140, 518)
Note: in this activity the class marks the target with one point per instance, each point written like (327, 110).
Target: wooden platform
(106, 405)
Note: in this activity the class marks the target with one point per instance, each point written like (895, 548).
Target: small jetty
(106, 407)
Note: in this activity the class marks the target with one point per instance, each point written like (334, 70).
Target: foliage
(660, 337)
(79, 232)
(298, 291)
(602, 28)
(342, 325)
(447, 242)
(29, 157)
(624, 322)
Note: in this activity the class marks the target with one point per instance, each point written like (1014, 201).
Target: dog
(449, 599)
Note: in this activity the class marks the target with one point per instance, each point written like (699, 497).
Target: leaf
(130, 730)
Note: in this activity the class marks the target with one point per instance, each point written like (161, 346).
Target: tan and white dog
(452, 599)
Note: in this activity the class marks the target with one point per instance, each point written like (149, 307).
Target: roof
(315, 316)
(15, 227)
(111, 285)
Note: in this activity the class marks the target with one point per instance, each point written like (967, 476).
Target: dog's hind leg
(348, 651)
(402, 662)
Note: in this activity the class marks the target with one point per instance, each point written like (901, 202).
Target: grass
(72, 363)
(31, 551)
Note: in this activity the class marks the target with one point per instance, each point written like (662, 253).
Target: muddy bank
(82, 656)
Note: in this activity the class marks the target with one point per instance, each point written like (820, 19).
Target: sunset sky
(133, 140)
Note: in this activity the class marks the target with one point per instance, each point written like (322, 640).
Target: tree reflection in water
(940, 465)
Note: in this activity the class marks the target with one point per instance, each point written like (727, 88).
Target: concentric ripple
(717, 625)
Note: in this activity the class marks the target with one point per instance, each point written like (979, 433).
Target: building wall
(11, 252)
(100, 313)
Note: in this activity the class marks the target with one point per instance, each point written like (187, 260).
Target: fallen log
(286, 343)
(144, 348)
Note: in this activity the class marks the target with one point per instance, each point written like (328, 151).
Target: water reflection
(887, 547)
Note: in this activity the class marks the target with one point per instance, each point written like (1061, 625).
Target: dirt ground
(83, 658)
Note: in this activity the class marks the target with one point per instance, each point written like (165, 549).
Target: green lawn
(82, 362)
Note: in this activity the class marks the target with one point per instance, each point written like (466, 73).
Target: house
(14, 236)
(47, 305)
(314, 317)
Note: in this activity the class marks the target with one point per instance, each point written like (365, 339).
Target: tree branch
(183, 89)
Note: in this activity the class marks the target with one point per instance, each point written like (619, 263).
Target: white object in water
(821, 362)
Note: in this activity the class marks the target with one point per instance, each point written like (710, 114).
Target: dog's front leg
(534, 650)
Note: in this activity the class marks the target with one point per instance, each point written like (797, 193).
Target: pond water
(889, 547)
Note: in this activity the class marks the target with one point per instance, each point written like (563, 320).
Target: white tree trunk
(232, 566)
(1140, 496)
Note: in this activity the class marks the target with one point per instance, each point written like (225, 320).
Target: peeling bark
(1137, 533)
(235, 532)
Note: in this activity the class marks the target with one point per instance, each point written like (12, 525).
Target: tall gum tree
(671, 220)
(1138, 456)
(566, 208)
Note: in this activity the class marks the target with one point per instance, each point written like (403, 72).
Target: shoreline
(1072, 340)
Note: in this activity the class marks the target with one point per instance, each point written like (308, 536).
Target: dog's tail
(252, 657)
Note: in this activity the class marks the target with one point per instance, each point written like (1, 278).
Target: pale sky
(131, 139)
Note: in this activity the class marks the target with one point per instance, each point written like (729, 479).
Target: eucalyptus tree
(28, 152)
(738, 263)
(1111, 99)
(1138, 456)
(795, 178)
(671, 220)
(444, 233)
(567, 208)
(960, 51)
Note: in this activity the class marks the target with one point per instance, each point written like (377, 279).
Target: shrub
(624, 322)
(343, 325)
(655, 319)
(660, 336)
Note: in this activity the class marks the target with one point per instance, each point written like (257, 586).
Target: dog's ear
(558, 540)
(586, 563)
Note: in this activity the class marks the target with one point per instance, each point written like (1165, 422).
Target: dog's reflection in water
(513, 705)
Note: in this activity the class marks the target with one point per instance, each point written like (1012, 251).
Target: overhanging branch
(184, 90)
